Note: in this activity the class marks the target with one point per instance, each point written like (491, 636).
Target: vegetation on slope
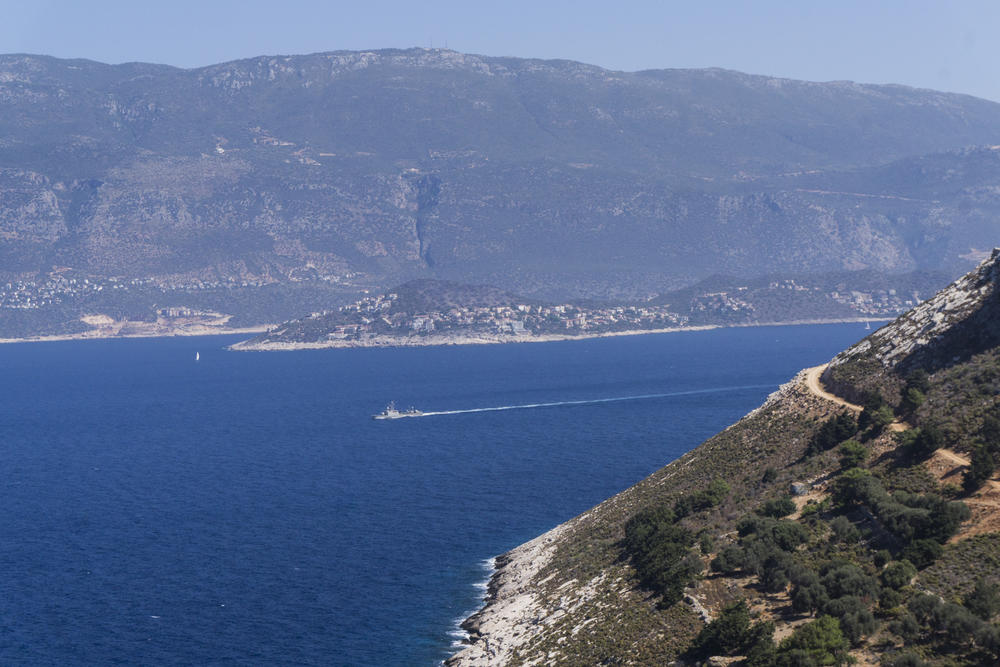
(810, 533)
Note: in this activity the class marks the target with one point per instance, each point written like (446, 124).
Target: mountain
(318, 177)
(854, 515)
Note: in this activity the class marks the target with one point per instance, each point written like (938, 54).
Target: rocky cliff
(761, 528)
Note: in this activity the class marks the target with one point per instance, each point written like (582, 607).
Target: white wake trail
(591, 401)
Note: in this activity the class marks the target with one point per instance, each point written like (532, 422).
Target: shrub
(819, 642)
(990, 433)
(847, 579)
(852, 454)
(833, 432)
(777, 507)
(927, 440)
(906, 626)
(809, 596)
(905, 659)
(701, 500)
(761, 651)
(881, 418)
(853, 615)
(729, 560)
(984, 600)
(725, 635)
(660, 551)
(919, 380)
(872, 404)
(889, 598)
(898, 574)
(912, 399)
(844, 530)
(980, 469)
(922, 552)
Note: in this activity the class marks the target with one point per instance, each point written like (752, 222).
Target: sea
(245, 508)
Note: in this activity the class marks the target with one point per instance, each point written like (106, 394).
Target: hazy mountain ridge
(350, 170)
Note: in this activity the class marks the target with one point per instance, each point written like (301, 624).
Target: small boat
(391, 412)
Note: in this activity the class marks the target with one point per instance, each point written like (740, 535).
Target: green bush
(701, 500)
(922, 552)
(898, 574)
(660, 550)
(852, 454)
(844, 531)
(848, 579)
(729, 561)
(809, 594)
(984, 600)
(833, 432)
(912, 399)
(981, 468)
(926, 441)
(854, 617)
(777, 507)
(726, 635)
(819, 642)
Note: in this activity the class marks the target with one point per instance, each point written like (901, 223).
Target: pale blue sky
(944, 45)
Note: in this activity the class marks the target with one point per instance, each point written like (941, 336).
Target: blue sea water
(246, 509)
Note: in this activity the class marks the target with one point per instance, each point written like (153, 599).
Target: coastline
(495, 339)
(517, 609)
(391, 341)
(96, 334)
(511, 609)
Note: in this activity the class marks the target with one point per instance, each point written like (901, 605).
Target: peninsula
(434, 312)
(854, 517)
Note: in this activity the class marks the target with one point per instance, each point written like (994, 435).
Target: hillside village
(375, 315)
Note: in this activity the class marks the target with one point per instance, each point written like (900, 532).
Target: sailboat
(868, 325)
(197, 356)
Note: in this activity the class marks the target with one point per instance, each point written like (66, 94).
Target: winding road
(815, 385)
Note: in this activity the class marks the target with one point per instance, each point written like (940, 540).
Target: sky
(945, 45)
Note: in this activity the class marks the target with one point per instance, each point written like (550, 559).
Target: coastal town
(427, 312)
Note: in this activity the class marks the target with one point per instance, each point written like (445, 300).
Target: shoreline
(511, 608)
(497, 339)
(412, 341)
(514, 610)
(99, 335)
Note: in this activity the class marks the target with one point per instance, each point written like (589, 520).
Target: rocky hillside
(821, 528)
(333, 173)
(435, 312)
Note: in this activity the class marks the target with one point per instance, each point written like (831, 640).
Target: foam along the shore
(460, 636)
(511, 611)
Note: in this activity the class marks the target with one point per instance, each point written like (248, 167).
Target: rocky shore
(521, 607)
(443, 339)
(513, 612)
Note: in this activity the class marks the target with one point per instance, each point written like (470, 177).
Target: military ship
(391, 412)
